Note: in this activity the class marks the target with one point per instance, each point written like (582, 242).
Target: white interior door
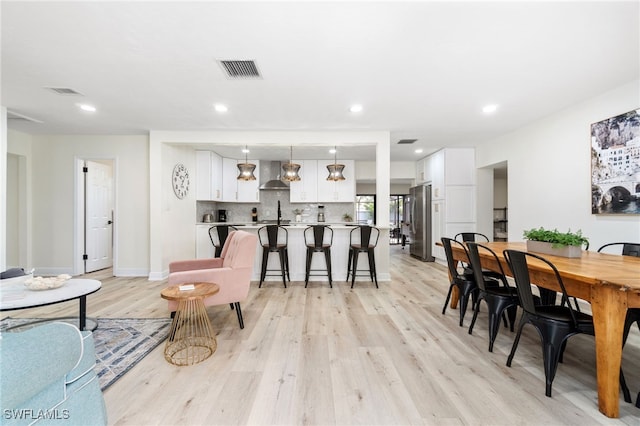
(99, 216)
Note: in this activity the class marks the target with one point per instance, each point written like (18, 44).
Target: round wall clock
(180, 181)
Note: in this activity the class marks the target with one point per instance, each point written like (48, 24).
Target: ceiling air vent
(64, 91)
(406, 141)
(243, 69)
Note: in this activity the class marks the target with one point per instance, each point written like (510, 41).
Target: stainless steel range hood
(272, 172)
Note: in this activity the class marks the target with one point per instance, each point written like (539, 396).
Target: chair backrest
(473, 237)
(365, 235)
(218, 234)
(447, 243)
(628, 249)
(519, 262)
(239, 250)
(318, 235)
(476, 264)
(272, 235)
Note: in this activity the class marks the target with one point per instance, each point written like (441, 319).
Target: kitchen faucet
(279, 213)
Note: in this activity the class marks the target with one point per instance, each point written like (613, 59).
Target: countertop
(288, 225)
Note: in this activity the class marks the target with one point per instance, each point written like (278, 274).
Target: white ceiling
(421, 70)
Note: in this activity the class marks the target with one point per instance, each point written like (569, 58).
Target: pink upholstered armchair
(231, 271)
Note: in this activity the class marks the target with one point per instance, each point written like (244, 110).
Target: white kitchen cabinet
(229, 179)
(216, 177)
(208, 176)
(437, 168)
(422, 171)
(238, 191)
(451, 174)
(248, 190)
(343, 191)
(306, 189)
(203, 175)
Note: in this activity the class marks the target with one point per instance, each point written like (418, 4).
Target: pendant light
(246, 169)
(335, 169)
(291, 169)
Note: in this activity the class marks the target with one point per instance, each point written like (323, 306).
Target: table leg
(455, 294)
(609, 308)
(82, 317)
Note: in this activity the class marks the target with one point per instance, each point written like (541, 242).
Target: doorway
(95, 215)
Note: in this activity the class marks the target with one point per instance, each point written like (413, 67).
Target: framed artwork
(615, 164)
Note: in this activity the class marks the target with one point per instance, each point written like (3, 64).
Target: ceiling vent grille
(64, 91)
(240, 69)
(406, 141)
(12, 115)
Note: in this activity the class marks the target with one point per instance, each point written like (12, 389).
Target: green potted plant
(347, 217)
(566, 244)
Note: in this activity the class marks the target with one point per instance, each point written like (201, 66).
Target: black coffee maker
(222, 215)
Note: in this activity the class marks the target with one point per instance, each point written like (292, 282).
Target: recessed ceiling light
(418, 151)
(489, 109)
(86, 107)
(220, 108)
(356, 108)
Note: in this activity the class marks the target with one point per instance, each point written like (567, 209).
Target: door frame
(79, 212)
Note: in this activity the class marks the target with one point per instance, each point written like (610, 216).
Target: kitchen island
(297, 251)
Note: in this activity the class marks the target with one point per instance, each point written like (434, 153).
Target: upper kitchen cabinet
(306, 189)
(422, 170)
(208, 176)
(343, 191)
(238, 191)
(447, 167)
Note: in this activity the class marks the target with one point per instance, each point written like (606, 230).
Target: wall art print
(615, 164)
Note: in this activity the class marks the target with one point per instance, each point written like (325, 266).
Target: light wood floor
(326, 356)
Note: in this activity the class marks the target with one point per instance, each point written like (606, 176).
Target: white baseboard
(130, 272)
(158, 276)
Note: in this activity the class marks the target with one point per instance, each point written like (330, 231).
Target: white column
(383, 188)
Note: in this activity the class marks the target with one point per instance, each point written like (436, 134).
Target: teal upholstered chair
(48, 377)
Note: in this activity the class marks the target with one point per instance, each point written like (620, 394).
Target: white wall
(549, 171)
(52, 161)
(178, 215)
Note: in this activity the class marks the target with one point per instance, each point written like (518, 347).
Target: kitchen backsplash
(268, 209)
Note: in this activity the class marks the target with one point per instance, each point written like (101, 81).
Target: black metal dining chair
(318, 239)
(626, 249)
(362, 239)
(555, 323)
(498, 298)
(274, 239)
(464, 281)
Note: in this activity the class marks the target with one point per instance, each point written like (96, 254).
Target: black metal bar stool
(274, 239)
(218, 235)
(318, 239)
(362, 239)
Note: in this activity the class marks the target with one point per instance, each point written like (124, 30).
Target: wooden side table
(191, 338)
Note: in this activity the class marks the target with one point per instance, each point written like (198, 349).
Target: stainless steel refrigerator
(420, 222)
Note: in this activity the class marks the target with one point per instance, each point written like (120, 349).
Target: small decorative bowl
(48, 283)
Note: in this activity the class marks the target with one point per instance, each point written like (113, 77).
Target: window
(366, 209)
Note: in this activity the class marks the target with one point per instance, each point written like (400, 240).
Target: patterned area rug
(120, 342)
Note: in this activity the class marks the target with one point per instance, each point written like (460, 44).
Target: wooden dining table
(611, 283)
